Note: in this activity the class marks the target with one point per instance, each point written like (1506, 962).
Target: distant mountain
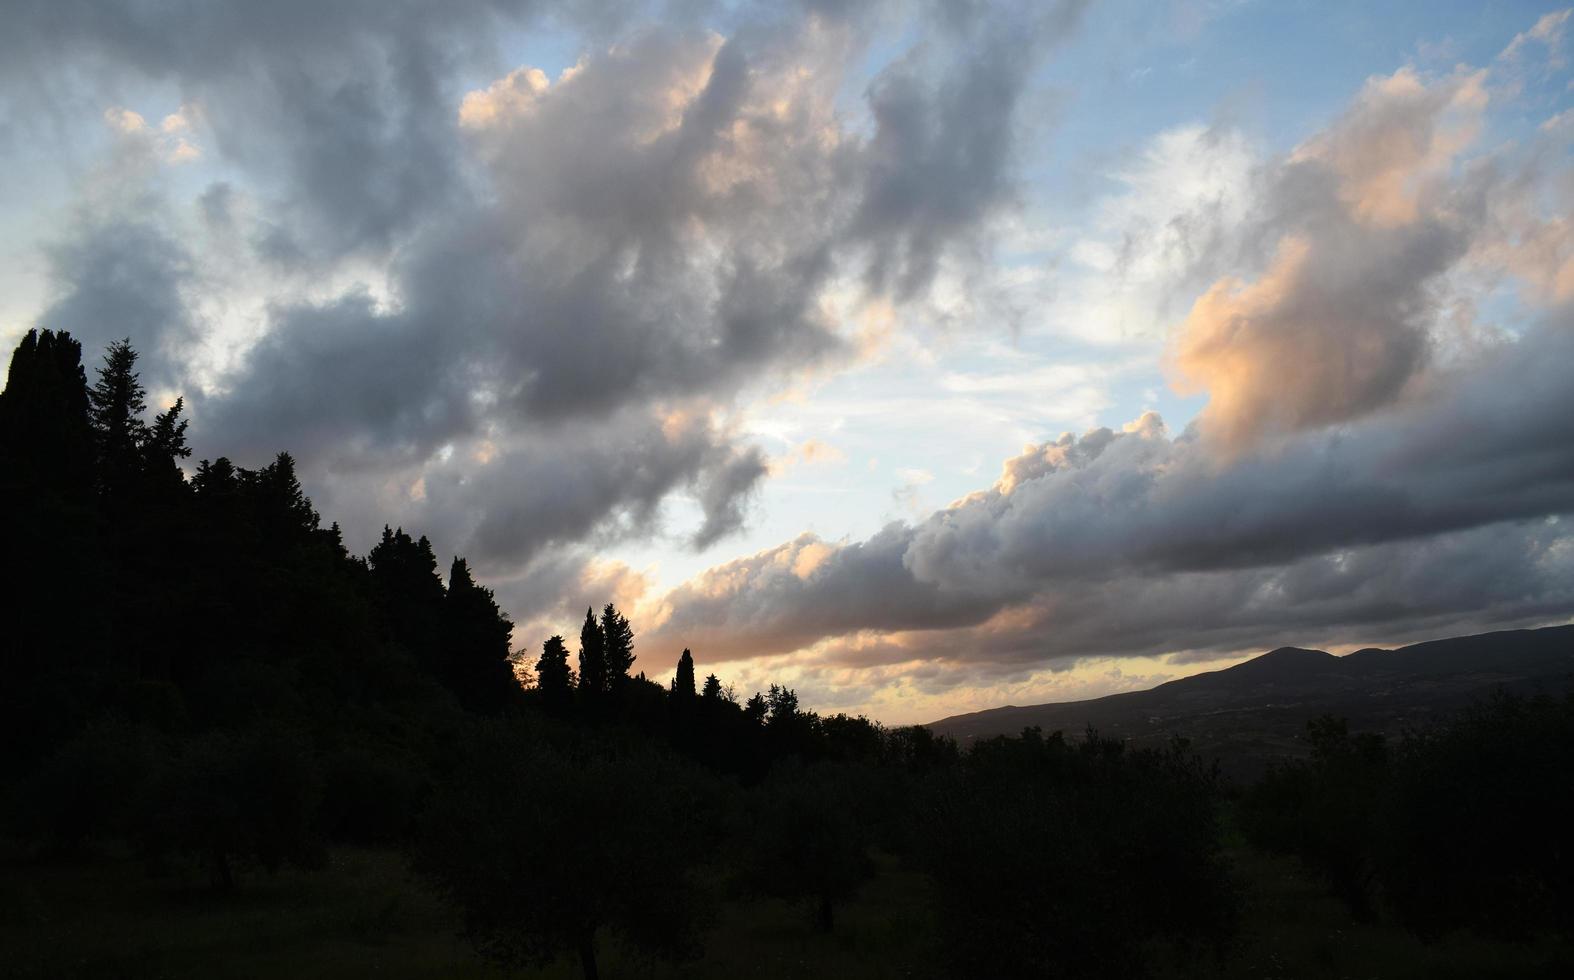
(1246, 714)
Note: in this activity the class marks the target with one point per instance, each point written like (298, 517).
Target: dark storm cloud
(343, 111)
(723, 494)
(121, 277)
(341, 381)
(556, 266)
(598, 481)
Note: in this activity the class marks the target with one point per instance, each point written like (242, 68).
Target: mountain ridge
(1248, 712)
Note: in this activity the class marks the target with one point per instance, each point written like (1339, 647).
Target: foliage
(1457, 827)
(535, 844)
(1326, 809)
(1055, 858)
(812, 828)
(231, 800)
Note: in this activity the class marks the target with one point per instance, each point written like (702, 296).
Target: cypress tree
(46, 441)
(683, 680)
(592, 657)
(618, 644)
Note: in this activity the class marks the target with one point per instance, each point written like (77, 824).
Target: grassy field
(364, 917)
(104, 918)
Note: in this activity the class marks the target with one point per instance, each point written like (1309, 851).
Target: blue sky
(767, 321)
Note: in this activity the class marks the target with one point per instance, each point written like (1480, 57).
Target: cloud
(657, 228)
(1547, 31)
(119, 276)
(1134, 541)
(939, 165)
(1362, 221)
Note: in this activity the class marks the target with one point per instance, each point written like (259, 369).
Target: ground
(100, 916)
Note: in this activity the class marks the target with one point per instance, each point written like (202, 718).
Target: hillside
(1245, 714)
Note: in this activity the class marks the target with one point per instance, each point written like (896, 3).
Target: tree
(783, 705)
(478, 638)
(116, 403)
(236, 800)
(618, 644)
(592, 658)
(166, 444)
(1325, 810)
(54, 641)
(410, 597)
(554, 678)
(532, 845)
(1054, 858)
(46, 439)
(812, 833)
(1476, 822)
(683, 679)
(712, 690)
(755, 708)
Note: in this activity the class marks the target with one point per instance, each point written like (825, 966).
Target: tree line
(199, 670)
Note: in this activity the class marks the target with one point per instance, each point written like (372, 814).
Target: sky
(922, 356)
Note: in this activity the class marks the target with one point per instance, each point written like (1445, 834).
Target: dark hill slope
(1254, 710)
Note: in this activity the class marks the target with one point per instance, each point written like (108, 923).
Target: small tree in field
(536, 848)
(813, 830)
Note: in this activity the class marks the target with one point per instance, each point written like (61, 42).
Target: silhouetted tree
(55, 642)
(117, 401)
(592, 658)
(782, 703)
(711, 693)
(755, 708)
(477, 636)
(166, 446)
(683, 679)
(617, 645)
(1477, 820)
(1060, 859)
(46, 440)
(554, 678)
(410, 597)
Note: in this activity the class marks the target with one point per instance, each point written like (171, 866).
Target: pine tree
(166, 443)
(783, 704)
(592, 657)
(478, 637)
(712, 690)
(217, 478)
(683, 680)
(410, 596)
(116, 403)
(554, 678)
(618, 639)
